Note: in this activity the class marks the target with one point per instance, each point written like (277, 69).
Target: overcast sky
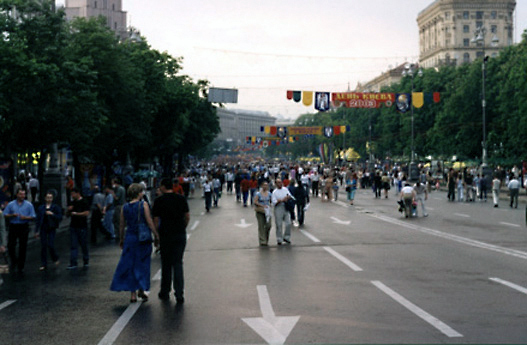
(264, 48)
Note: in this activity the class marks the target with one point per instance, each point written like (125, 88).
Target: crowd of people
(280, 194)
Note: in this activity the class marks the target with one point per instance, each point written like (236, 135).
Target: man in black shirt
(171, 216)
(79, 210)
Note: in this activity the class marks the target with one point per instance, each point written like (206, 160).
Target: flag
(402, 102)
(267, 129)
(418, 99)
(336, 130)
(437, 97)
(297, 96)
(328, 132)
(307, 98)
(322, 101)
(289, 94)
(272, 130)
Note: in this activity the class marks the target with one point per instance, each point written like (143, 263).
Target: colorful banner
(322, 101)
(305, 130)
(362, 100)
(297, 96)
(402, 102)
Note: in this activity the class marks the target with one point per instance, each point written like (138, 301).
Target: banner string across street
(363, 99)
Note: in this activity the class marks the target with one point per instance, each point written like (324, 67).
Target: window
(113, 7)
(466, 58)
(479, 55)
(479, 24)
(95, 4)
(479, 15)
(447, 15)
(466, 28)
(466, 15)
(494, 29)
(466, 42)
(493, 15)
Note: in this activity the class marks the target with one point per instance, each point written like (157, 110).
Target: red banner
(362, 100)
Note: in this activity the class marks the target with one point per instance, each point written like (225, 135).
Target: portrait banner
(402, 102)
(322, 101)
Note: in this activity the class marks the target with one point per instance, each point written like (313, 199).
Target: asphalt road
(353, 274)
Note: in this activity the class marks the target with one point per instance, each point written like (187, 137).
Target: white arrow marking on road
(7, 303)
(243, 224)
(273, 329)
(343, 222)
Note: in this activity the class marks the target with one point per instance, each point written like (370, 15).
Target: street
(353, 274)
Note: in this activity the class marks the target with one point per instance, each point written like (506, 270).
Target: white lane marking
(341, 203)
(196, 223)
(120, 324)
(273, 329)
(511, 285)
(157, 276)
(441, 326)
(462, 215)
(202, 213)
(510, 224)
(7, 303)
(467, 241)
(311, 237)
(343, 259)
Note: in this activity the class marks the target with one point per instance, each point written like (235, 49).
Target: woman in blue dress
(133, 270)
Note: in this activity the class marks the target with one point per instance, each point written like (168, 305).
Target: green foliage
(78, 84)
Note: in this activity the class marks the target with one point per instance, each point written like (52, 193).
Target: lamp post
(479, 39)
(411, 70)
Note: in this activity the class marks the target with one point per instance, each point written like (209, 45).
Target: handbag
(144, 232)
(259, 209)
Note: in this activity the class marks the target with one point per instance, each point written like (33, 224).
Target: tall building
(112, 10)
(236, 125)
(447, 29)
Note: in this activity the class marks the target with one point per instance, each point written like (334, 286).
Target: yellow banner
(307, 98)
(317, 130)
(418, 99)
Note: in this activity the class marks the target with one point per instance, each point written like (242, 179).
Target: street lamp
(479, 39)
(411, 70)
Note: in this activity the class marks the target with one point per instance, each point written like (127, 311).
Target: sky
(264, 48)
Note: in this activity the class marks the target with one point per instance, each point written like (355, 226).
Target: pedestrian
(351, 187)
(421, 195)
(483, 187)
(315, 178)
(229, 177)
(245, 186)
(262, 208)
(3, 234)
(385, 181)
(34, 187)
(133, 270)
(496, 190)
(216, 185)
(451, 183)
(207, 190)
(514, 189)
(119, 198)
(282, 217)
(408, 197)
(69, 186)
(97, 207)
(79, 210)
(171, 217)
(300, 196)
(377, 184)
(20, 212)
(108, 212)
(49, 216)
(460, 187)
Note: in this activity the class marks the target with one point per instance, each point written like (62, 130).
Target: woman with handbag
(133, 270)
(262, 207)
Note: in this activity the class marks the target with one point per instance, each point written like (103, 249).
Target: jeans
(108, 222)
(47, 242)
(514, 196)
(172, 262)
(79, 236)
(18, 232)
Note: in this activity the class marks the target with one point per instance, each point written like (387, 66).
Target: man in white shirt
(282, 217)
(408, 196)
(514, 188)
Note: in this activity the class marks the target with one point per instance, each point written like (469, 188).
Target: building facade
(112, 10)
(447, 29)
(392, 76)
(237, 125)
